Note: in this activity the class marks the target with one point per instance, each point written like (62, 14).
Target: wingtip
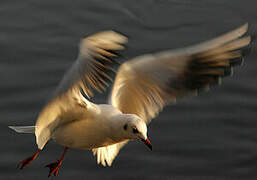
(122, 35)
(246, 25)
(112, 35)
(242, 29)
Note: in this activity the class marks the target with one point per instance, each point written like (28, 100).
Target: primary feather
(142, 87)
(88, 72)
(145, 84)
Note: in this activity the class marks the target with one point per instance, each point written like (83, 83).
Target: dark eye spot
(125, 127)
(135, 131)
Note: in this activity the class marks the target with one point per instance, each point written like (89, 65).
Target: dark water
(213, 136)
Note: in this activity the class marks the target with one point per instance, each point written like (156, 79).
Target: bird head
(135, 128)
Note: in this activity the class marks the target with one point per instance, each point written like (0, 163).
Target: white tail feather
(23, 129)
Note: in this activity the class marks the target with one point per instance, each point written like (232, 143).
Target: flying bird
(142, 87)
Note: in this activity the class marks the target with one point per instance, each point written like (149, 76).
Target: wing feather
(145, 84)
(90, 70)
(106, 155)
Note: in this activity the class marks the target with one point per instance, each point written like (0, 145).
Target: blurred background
(212, 136)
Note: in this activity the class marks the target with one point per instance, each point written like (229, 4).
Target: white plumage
(142, 87)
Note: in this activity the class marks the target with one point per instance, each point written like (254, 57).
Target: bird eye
(125, 127)
(135, 131)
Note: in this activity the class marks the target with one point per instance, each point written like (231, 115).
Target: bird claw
(25, 162)
(28, 160)
(54, 168)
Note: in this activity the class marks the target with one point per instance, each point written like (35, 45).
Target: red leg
(54, 167)
(27, 161)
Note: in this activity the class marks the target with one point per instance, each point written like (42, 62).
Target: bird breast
(86, 133)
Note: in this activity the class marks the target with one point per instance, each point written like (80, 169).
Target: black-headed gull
(142, 87)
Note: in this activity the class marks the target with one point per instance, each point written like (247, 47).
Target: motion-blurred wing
(90, 70)
(145, 84)
(106, 155)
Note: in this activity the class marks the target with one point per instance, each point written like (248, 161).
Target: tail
(23, 129)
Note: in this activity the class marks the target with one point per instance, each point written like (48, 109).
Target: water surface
(213, 136)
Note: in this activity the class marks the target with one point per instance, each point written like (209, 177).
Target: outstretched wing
(90, 70)
(144, 85)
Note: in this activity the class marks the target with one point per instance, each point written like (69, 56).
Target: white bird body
(80, 125)
(142, 87)
(97, 127)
